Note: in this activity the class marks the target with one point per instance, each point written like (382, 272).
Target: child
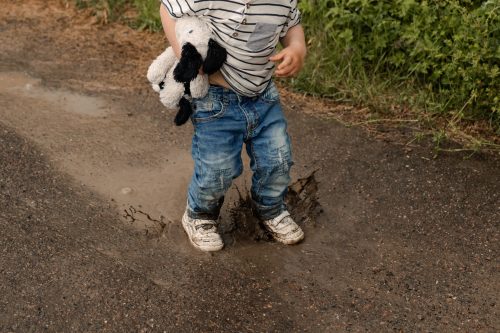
(242, 106)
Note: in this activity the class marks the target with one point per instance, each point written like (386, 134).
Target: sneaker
(284, 229)
(202, 233)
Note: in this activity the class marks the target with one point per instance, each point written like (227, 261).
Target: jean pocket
(262, 36)
(206, 109)
(271, 94)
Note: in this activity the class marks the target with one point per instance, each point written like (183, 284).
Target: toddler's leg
(271, 159)
(216, 151)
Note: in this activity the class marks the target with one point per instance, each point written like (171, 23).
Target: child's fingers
(278, 56)
(291, 70)
(290, 64)
(287, 66)
(287, 61)
(285, 71)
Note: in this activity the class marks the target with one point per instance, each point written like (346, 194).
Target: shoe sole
(207, 249)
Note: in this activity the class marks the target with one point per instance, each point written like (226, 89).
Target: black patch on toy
(185, 108)
(189, 65)
(216, 56)
(184, 113)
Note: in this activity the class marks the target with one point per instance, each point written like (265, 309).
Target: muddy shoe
(202, 233)
(284, 229)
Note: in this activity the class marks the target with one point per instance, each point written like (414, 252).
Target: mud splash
(301, 200)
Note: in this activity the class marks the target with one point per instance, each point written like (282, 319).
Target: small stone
(126, 190)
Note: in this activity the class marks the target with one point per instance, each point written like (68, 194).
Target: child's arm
(169, 28)
(293, 54)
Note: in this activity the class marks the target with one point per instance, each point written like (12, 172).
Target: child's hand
(291, 60)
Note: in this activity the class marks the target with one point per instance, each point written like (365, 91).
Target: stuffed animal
(178, 80)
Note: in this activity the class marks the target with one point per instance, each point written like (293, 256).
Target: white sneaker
(284, 229)
(202, 233)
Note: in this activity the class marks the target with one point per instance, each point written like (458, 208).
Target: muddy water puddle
(23, 85)
(102, 148)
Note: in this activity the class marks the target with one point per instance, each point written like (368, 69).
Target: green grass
(148, 17)
(146, 12)
(105, 10)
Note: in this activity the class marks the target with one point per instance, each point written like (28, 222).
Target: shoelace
(277, 221)
(203, 224)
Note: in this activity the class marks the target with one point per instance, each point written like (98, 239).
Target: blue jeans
(223, 121)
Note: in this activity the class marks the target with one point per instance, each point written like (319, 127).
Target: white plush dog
(178, 80)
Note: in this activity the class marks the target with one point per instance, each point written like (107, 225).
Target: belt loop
(225, 98)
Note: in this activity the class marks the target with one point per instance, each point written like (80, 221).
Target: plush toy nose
(190, 31)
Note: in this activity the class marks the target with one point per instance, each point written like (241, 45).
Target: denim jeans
(223, 121)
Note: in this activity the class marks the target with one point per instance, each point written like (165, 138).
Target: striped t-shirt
(249, 30)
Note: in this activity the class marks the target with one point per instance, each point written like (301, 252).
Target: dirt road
(93, 178)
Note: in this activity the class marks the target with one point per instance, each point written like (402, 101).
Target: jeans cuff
(202, 215)
(268, 212)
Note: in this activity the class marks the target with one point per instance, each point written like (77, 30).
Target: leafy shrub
(449, 49)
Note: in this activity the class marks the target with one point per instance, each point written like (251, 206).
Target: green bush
(448, 51)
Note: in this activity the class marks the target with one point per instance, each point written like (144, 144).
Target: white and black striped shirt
(249, 30)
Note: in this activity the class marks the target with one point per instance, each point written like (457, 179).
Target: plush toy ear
(216, 56)
(189, 64)
(185, 110)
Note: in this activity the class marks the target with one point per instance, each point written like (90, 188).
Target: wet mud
(301, 200)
